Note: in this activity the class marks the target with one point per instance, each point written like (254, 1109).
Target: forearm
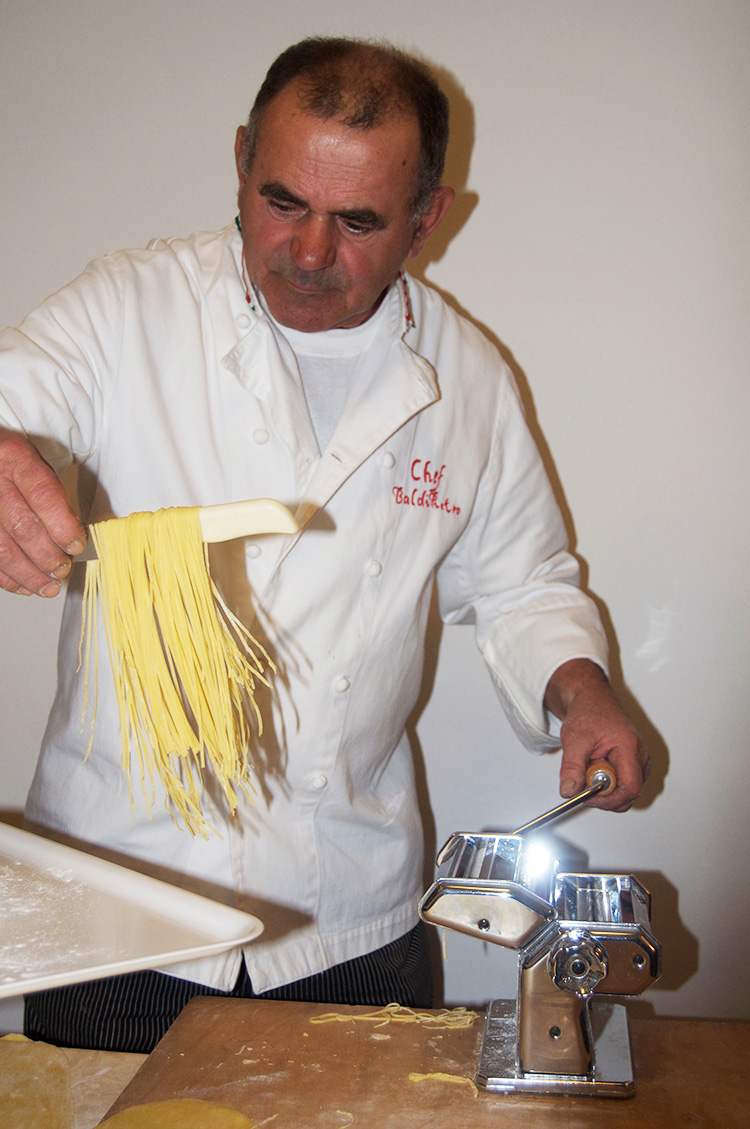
(575, 677)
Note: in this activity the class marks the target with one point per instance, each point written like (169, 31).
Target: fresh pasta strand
(439, 1076)
(185, 668)
(456, 1017)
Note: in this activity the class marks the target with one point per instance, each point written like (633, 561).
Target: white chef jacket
(165, 381)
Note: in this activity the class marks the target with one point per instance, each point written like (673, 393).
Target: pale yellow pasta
(455, 1018)
(185, 669)
(439, 1076)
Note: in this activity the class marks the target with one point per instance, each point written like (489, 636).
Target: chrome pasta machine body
(581, 940)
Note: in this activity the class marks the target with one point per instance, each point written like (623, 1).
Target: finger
(9, 585)
(39, 491)
(632, 767)
(576, 757)
(622, 747)
(38, 529)
(18, 573)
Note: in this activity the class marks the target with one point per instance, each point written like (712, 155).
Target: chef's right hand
(39, 532)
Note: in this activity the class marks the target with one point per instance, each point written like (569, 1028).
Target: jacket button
(319, 782)
(373, 568)
(243, 320)
(388, 460)
(260, 435)
(341, 685)
(253, 551)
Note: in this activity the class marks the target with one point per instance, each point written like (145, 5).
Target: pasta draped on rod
(185, 668)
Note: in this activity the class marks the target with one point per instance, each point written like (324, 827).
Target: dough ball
(179, 1113)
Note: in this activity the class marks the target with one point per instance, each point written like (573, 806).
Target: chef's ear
(442, 198)
(239, 153)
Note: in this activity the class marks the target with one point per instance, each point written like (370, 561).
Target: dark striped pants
(132, 1012)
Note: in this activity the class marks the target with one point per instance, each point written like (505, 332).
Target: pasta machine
(581, 940)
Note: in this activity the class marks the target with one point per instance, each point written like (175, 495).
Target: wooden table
(274, 1061)
(96, 1079)
(42, 1085)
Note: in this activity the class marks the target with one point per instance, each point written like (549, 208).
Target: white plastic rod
(232, 519)
(242, 519)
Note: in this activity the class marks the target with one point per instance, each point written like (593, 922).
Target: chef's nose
(313, 244)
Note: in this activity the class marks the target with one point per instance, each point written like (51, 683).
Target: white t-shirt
(333, 362)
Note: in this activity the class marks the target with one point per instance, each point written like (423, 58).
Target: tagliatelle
(456, 1017)
(459, 1079)
(184, 667)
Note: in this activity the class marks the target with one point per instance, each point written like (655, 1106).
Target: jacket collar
(264, 363)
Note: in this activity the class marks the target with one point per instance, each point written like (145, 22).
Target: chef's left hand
(595, 727)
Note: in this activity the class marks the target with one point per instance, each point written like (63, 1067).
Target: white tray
(67, 916)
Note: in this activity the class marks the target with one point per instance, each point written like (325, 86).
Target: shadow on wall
(679, 947)
(458, 163)
(12, 816)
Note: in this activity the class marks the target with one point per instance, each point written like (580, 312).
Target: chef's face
(326, 213)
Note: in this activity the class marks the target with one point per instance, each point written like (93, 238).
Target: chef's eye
(357, 227)
(283, 208)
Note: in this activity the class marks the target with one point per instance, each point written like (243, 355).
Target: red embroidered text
(424, 488)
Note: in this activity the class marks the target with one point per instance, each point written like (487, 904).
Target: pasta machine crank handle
(600, 781)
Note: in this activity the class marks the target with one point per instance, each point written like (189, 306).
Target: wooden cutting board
(274, 1062)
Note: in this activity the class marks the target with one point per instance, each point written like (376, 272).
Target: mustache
(327, 278)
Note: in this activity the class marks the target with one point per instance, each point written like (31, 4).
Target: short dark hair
(361, 83)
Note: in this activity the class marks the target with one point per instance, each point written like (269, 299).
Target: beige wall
(601, 235)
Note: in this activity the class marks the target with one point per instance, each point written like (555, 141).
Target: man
(288, 356)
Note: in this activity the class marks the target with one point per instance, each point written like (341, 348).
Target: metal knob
(577, 963)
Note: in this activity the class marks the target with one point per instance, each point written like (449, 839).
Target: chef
(289, 355)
